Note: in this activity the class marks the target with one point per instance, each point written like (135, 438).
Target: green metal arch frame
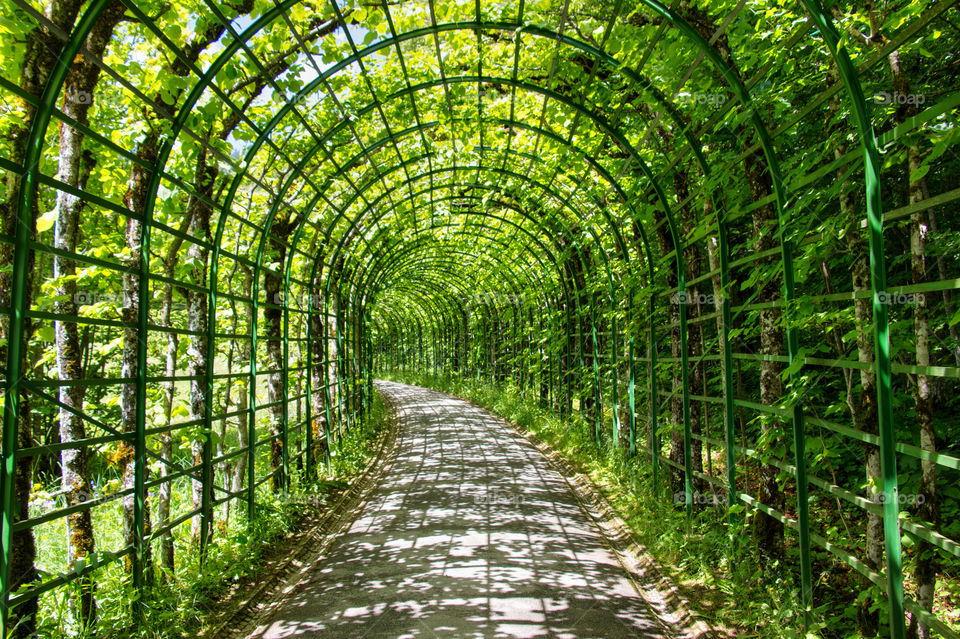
(373, 264)
(877, 265)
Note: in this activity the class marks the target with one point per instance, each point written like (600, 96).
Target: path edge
(248, 618)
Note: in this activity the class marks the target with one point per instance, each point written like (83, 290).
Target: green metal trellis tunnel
(720, 238)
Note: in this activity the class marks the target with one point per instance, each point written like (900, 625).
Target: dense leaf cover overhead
(722, 234)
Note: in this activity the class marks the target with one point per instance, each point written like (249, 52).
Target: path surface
(471, 534)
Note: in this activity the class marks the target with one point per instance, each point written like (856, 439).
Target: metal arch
(601, 124)
(271, 217)
(653, 384)
(310, 325)
(700, 158)
(470, 79)
(393, 257)
(383, 213)
(539, 286)
(453, 323)
(341, 210)
(576, 303)
(376, 279)
(389, 251)
(359, 311)
(312, 278)
(596, 166)
(649, 175)
(252, 29)
(678, 257)
(261, 22)
(613, 226)
(451, 271)
(346, 235)
(880, 364)
(485, 214)
(445, 308)
(696, 150)
(881, 332)
(610, 61)
(400, 260)
(468, 168)
(499, 172)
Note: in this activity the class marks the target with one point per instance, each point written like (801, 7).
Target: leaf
(956, 318)
(46, 221)
(919, 173)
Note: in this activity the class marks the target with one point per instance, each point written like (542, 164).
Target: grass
(178, 606)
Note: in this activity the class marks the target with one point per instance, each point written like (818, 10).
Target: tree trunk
(693, 259)
(40, 55)
(319, 377)
(165, 489)
(273, 314)
(136, 198)
(239, 471)
(74, 169)
(199, 212)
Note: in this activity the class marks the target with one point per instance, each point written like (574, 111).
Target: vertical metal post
(631, 397)
(308, 405)
(597, 404)
(285, 388)
(654, 400)
(728, 392)
(881, 333)
(252, 405)
(18, 294)
(614, 341)
(685, 400)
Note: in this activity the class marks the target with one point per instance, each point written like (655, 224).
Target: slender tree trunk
(318, 377)
(75, 478)
(165, 489)
(676, 401)
(693, 258)
(239, 471)
(126, 458)
(925, 569)
(767, 529)
(273, 314)
(198, 323)
(862, 403)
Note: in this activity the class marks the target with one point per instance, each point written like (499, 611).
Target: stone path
(471, 534)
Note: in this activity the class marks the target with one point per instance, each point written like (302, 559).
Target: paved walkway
(471, 534)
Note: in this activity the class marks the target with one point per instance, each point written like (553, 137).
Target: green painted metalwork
(372, 233)
(25, 227)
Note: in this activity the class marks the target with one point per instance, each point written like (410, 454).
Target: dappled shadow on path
(472, 534)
